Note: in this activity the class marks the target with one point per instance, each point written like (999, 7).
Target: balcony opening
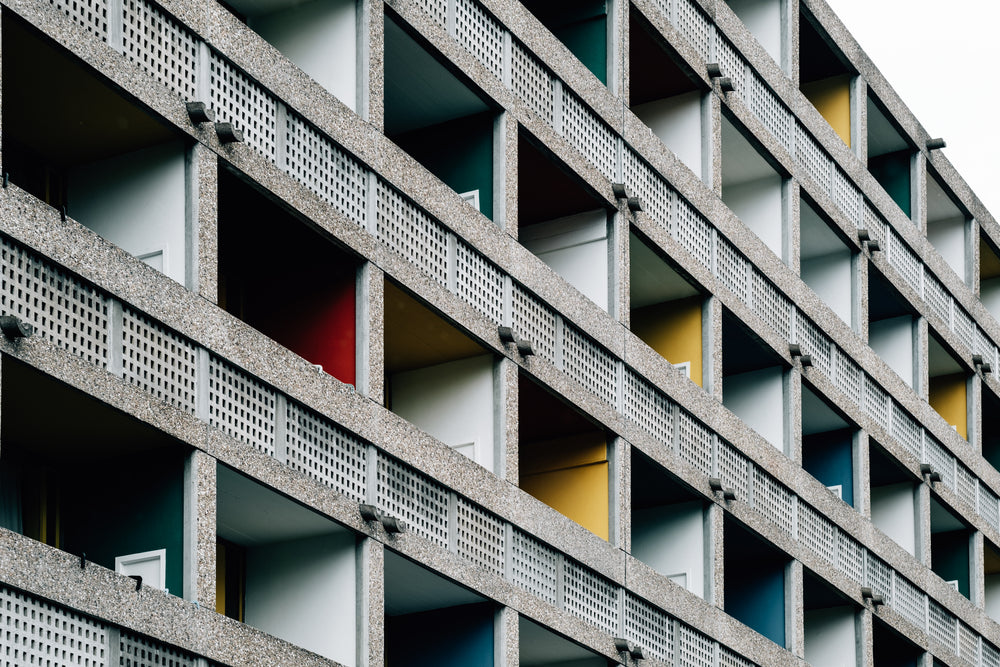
(94, 480)
(540, 647)
(286, 279)
(664, 96)
(582, 26)
(669, 526)
(825, 76)
(665, 309)
(430, 620)
(753, 382)
(950, 547)
(892, 327)
(826, 263)
(319, 36)
(85, 146)
(948, 226)
(754, 581)
(830, 625)
(285, 569)
(989, 275)
(890, 156)
(563, 458)
(893, 498)
(947, 388)
(991, 426)
(828, 446)
(991, 579)
(891, 649)
(438, 378)
(752, 189)
(562, 222)
(763, 19)
(439, 119)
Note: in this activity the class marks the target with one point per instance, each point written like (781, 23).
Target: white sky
(941, 57)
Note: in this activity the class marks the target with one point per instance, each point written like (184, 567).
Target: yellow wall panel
(832, 98)
(570, 475)
(673, 329)
(947, 396)
(580, 493)
(568, 452)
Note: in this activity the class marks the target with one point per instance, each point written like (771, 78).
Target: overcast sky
(941, 56)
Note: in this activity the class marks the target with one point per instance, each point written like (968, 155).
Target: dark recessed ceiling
(62, 110)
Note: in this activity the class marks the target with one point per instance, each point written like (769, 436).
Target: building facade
(486, 333)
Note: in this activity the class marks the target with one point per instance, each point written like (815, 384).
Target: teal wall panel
(950, 557)
(459, 152)
(828, 458)
(127, 506)
(461, 635)
(892, 171)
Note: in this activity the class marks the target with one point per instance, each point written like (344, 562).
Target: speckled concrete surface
(172, 620)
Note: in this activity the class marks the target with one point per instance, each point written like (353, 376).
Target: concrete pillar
(200, 529)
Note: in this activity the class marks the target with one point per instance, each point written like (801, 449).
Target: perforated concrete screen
(715, 272)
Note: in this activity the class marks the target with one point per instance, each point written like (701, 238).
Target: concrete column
(620, 494)
(371, 603)
(502, 139)
(859, 118)
(618, 268)
(973, 415)
(973, 266)
(790, 39)
(200, 529)
(507, 638)
(714, 555)
(918, 191)
(862, 473)
(860, 265)
(791, 251)
(509, 191)
(371, 62)
(922, 525)
(202, 222)
(711, 324)
(793, 414)
(921, 378)
(370, 322)
(865, 628)
(505, 379)
(711, 149)
(794, 609)
(977, 569)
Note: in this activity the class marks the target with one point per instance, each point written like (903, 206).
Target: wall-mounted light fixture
(369, 513)
(228, 133)
(392, 524)
(634, 204)
(984, 366)
(716, 485)
(524, 348)
(619, 190)
(928, 471)
(714, 70)
(199, 112)
(623, 645)
(14, 327)
(935, 144)
(865, 237)
(726, 84)
(795, 350)
(506, 334)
